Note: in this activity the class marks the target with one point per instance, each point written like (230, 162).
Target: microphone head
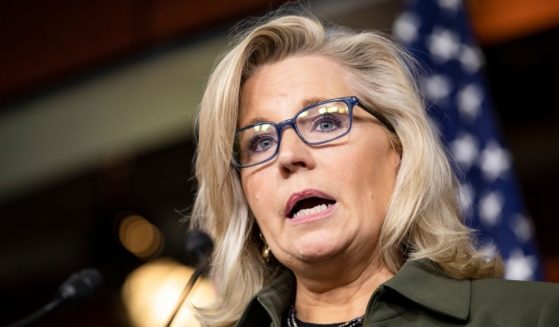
(198, 246)
(80, 286)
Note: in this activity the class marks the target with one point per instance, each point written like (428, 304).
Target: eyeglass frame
(350, 101)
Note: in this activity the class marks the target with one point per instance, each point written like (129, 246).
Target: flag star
(443, 44)
(406, 27)
(490, 207)
(519, 266)
(466, 198)
(450, 4)
(464, 150)
(436, 87)
(469, 101)
(522, 228)
(494, 161)
(470, 58)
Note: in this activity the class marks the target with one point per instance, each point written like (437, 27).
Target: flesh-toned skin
(333, 254)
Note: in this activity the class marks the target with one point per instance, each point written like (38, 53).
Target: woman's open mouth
(310, 206)
(308, 203)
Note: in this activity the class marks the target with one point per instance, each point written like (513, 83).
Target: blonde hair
(423, 219)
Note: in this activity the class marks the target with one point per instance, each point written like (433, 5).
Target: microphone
(77, 288)
(199, 247)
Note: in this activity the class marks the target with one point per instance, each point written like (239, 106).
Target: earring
(266, 251)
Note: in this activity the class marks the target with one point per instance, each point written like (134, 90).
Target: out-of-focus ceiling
(137, 105)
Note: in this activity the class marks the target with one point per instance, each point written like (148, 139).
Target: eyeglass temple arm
(378, 116)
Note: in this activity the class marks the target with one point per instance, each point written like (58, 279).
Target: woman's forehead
(285, 87)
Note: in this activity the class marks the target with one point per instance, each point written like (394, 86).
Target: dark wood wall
(43, 42)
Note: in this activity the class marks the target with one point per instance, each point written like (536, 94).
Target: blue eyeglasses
(316, 124)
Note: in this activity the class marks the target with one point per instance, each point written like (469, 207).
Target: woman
(330, 198)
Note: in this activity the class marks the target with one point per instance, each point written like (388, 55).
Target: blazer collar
(420, 281)
(270, 303)
(424, 283)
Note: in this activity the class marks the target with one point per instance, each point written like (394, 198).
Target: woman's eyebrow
(312, 100)
(257, 120)
(304, 103)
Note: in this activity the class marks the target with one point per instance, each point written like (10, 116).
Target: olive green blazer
(421, 295)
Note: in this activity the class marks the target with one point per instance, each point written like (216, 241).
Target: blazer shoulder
(495, 287)
(535, 303)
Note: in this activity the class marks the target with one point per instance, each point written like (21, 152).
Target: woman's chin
(314, 252)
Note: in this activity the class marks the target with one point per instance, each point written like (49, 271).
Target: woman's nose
(294, 153)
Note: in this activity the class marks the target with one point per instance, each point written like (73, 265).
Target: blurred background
(97, 107)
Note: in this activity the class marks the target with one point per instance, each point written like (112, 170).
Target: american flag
(438, 34)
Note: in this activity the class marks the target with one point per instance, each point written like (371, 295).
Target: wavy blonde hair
(423, 219)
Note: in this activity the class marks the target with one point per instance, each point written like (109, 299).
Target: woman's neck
(327, 294)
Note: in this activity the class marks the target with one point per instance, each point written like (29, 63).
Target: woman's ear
(396, 145)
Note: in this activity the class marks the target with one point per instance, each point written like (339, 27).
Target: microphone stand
(185, 291)
(78, 287)
(199, 246)
(51, 306)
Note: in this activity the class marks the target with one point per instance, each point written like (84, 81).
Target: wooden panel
(501, 20)
(190, 16)
(46, 41)
(551, 265)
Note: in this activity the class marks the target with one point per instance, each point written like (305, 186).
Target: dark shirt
(420, 294)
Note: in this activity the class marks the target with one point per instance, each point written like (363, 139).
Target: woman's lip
(305, 194)
(314, 216)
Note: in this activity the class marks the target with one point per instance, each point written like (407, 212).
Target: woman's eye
(261, 143)
(327, 123)
(326, 126)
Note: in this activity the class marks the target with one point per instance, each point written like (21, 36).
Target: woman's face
(353, 177)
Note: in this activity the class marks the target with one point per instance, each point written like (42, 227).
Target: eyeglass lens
(315, 125)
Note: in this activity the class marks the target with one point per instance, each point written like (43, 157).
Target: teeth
(306, 212)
